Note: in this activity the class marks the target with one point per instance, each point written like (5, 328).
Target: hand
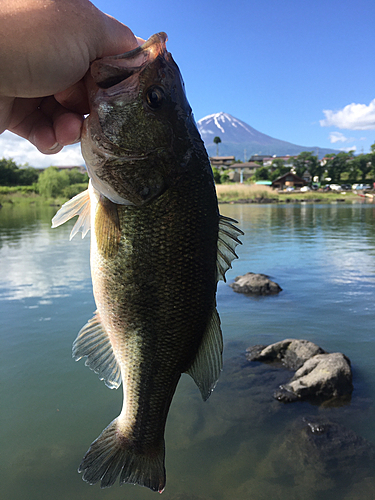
(46, 50)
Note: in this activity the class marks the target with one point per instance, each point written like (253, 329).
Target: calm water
(241, 444)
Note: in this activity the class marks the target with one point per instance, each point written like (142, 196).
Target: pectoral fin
(226, 244)
(208, 362)
(79, 205)
(107, 228)
(93, 341)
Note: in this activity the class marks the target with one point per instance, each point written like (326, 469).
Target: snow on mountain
(218, 124)
(239, 138)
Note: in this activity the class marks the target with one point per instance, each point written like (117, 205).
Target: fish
(158, 248)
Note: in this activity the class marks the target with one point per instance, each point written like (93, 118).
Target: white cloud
(351, 117)
(22, 151)
(351, 148)
(339, 137)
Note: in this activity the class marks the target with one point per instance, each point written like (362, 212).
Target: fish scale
(158, 248)
(167, 322)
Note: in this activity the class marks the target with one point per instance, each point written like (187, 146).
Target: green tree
(307, 161)
(372, 160)
(262, 174)
(277, 169)
(352, 171)
(217, 141)
(27, 176)
(337, 165)
(8, 172)
(224, 177)
(217, 175)
(51, 182)
(77, 177)
(13, 175)
(363, 165)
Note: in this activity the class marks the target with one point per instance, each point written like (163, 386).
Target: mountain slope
(237, 136)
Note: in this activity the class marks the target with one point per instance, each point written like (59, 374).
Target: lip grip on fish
(109, 71)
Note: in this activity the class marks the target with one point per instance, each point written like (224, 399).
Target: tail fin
(112, 454)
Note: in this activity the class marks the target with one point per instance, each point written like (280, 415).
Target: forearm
(34, 33)
(58, 38)
(46, 47)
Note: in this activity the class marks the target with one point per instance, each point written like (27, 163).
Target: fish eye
(154, 97)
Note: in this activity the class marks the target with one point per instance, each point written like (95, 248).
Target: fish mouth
(111, 70)
(100, 148)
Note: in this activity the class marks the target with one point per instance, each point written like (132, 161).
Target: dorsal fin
(93, 341)
(226, 244)
(208, 362)
(79, 205)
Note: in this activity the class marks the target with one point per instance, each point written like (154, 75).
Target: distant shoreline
(253, 193)
(226, 193)
(284, 199)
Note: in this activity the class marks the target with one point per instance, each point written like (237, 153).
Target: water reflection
(36, 261)
(242, 443)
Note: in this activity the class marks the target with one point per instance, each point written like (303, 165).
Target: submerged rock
(322, 456)
(293, 353)
(320, 375)
(324, 376)
(255, 284)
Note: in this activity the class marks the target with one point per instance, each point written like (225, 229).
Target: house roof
(222, 158)
(260, 157)
(295, 178)
(246, 164)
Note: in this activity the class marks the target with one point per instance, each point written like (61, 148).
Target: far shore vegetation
(254, 193)
(55, 185)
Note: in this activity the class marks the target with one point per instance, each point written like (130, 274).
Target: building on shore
(240, 172)
(289, 180)
(222, 161)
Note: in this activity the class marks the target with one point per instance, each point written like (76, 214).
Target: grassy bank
(252, 193)
(240, 192)
(226, 193)
(29, 194)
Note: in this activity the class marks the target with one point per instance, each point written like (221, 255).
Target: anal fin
(93, 341)
(208, 362)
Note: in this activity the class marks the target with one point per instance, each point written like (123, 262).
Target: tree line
(339, 168)
(50, 182)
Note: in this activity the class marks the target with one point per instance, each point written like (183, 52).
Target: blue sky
(301, 71)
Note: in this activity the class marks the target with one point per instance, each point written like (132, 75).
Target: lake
(240, 444)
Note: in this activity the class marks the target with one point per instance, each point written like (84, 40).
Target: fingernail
(54, 147)
(77, 140)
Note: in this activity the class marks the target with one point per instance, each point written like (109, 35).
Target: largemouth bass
(158, 248)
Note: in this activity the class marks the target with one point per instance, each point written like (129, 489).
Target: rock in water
(291, 352)
(320, 375)
(324, 376)
(255, 284)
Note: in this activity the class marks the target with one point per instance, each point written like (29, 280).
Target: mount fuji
(237, 136)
